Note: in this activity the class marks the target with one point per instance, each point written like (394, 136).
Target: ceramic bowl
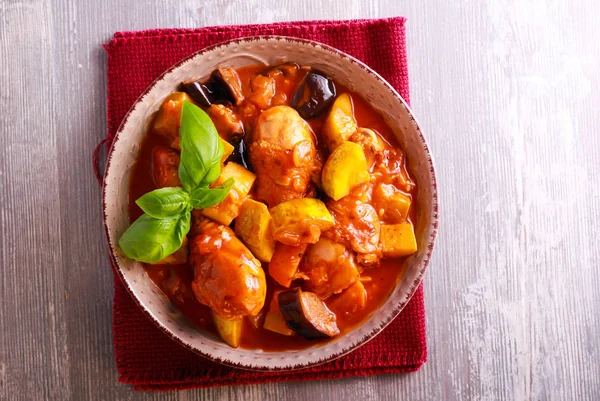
(268, 50)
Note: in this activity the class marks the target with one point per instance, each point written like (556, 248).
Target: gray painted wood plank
(507, 93)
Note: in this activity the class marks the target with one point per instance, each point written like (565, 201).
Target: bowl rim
(397, 308)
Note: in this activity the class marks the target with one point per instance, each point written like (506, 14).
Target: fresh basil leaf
(150, 239)
(206, 197)
(201, 149)
(165, 202)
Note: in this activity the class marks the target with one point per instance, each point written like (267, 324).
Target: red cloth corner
(145, 356)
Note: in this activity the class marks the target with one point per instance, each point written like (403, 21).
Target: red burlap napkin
(146, 357)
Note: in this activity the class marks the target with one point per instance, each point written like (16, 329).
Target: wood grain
(507, 94)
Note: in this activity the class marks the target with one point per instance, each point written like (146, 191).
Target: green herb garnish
(160, 231)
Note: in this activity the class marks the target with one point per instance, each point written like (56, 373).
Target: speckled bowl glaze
(268, 50)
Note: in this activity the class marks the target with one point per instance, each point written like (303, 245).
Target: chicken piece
(228, 278)
(329, 267)
(165, 163)
(283, 155)
(356, 226)
(227, 122)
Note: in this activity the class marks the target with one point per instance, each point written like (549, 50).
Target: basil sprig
(160, 231)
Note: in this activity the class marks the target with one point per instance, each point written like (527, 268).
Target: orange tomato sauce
(175, 280)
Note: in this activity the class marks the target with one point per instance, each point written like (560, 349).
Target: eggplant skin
(307, 315)
(321, 94)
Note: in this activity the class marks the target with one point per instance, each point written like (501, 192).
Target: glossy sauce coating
(176, 280)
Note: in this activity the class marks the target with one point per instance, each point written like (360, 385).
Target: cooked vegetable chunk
(263, 89)
(227, 277)
(222, 87)
(227, 122)
(300, 221)
(329, 267)
(285, 261)
(391, 204)
(345, 169)
(314, 95)
(229, 209)
(253, 227)
(340, 123)
(169, 115)
(179, 257)
(227, 150)
(370, 142)
(239, 154)
(165, 163)
(258, 320)
(274, 320)
(356, 226)
(351, 299)
(398, 240)
(231, 78)
(283, 155)
(229, 330)
(307, 315)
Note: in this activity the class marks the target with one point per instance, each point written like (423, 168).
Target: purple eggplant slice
(314, 95)
(240, 153)
(306, 314)
(223, 87)
(197, 92)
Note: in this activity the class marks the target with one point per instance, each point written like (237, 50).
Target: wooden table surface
(508, 96)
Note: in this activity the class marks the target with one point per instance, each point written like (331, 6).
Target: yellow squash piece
(253, 227)
(285, 262)
(229, 330)
(227, 149)
(340, 123)
(391, 204)
(300, 221)
(169, 115)
(345, 169)
(274, 320)
(398, 240)
(229, 209)
(351, 299)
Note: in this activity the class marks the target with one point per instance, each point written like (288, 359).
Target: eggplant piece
(197, 92)
(240, 153)
(307, 315)
(232, 82)
(314, 95)
(223, 87)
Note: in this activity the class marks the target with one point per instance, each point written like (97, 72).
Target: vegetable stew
(272, 206)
